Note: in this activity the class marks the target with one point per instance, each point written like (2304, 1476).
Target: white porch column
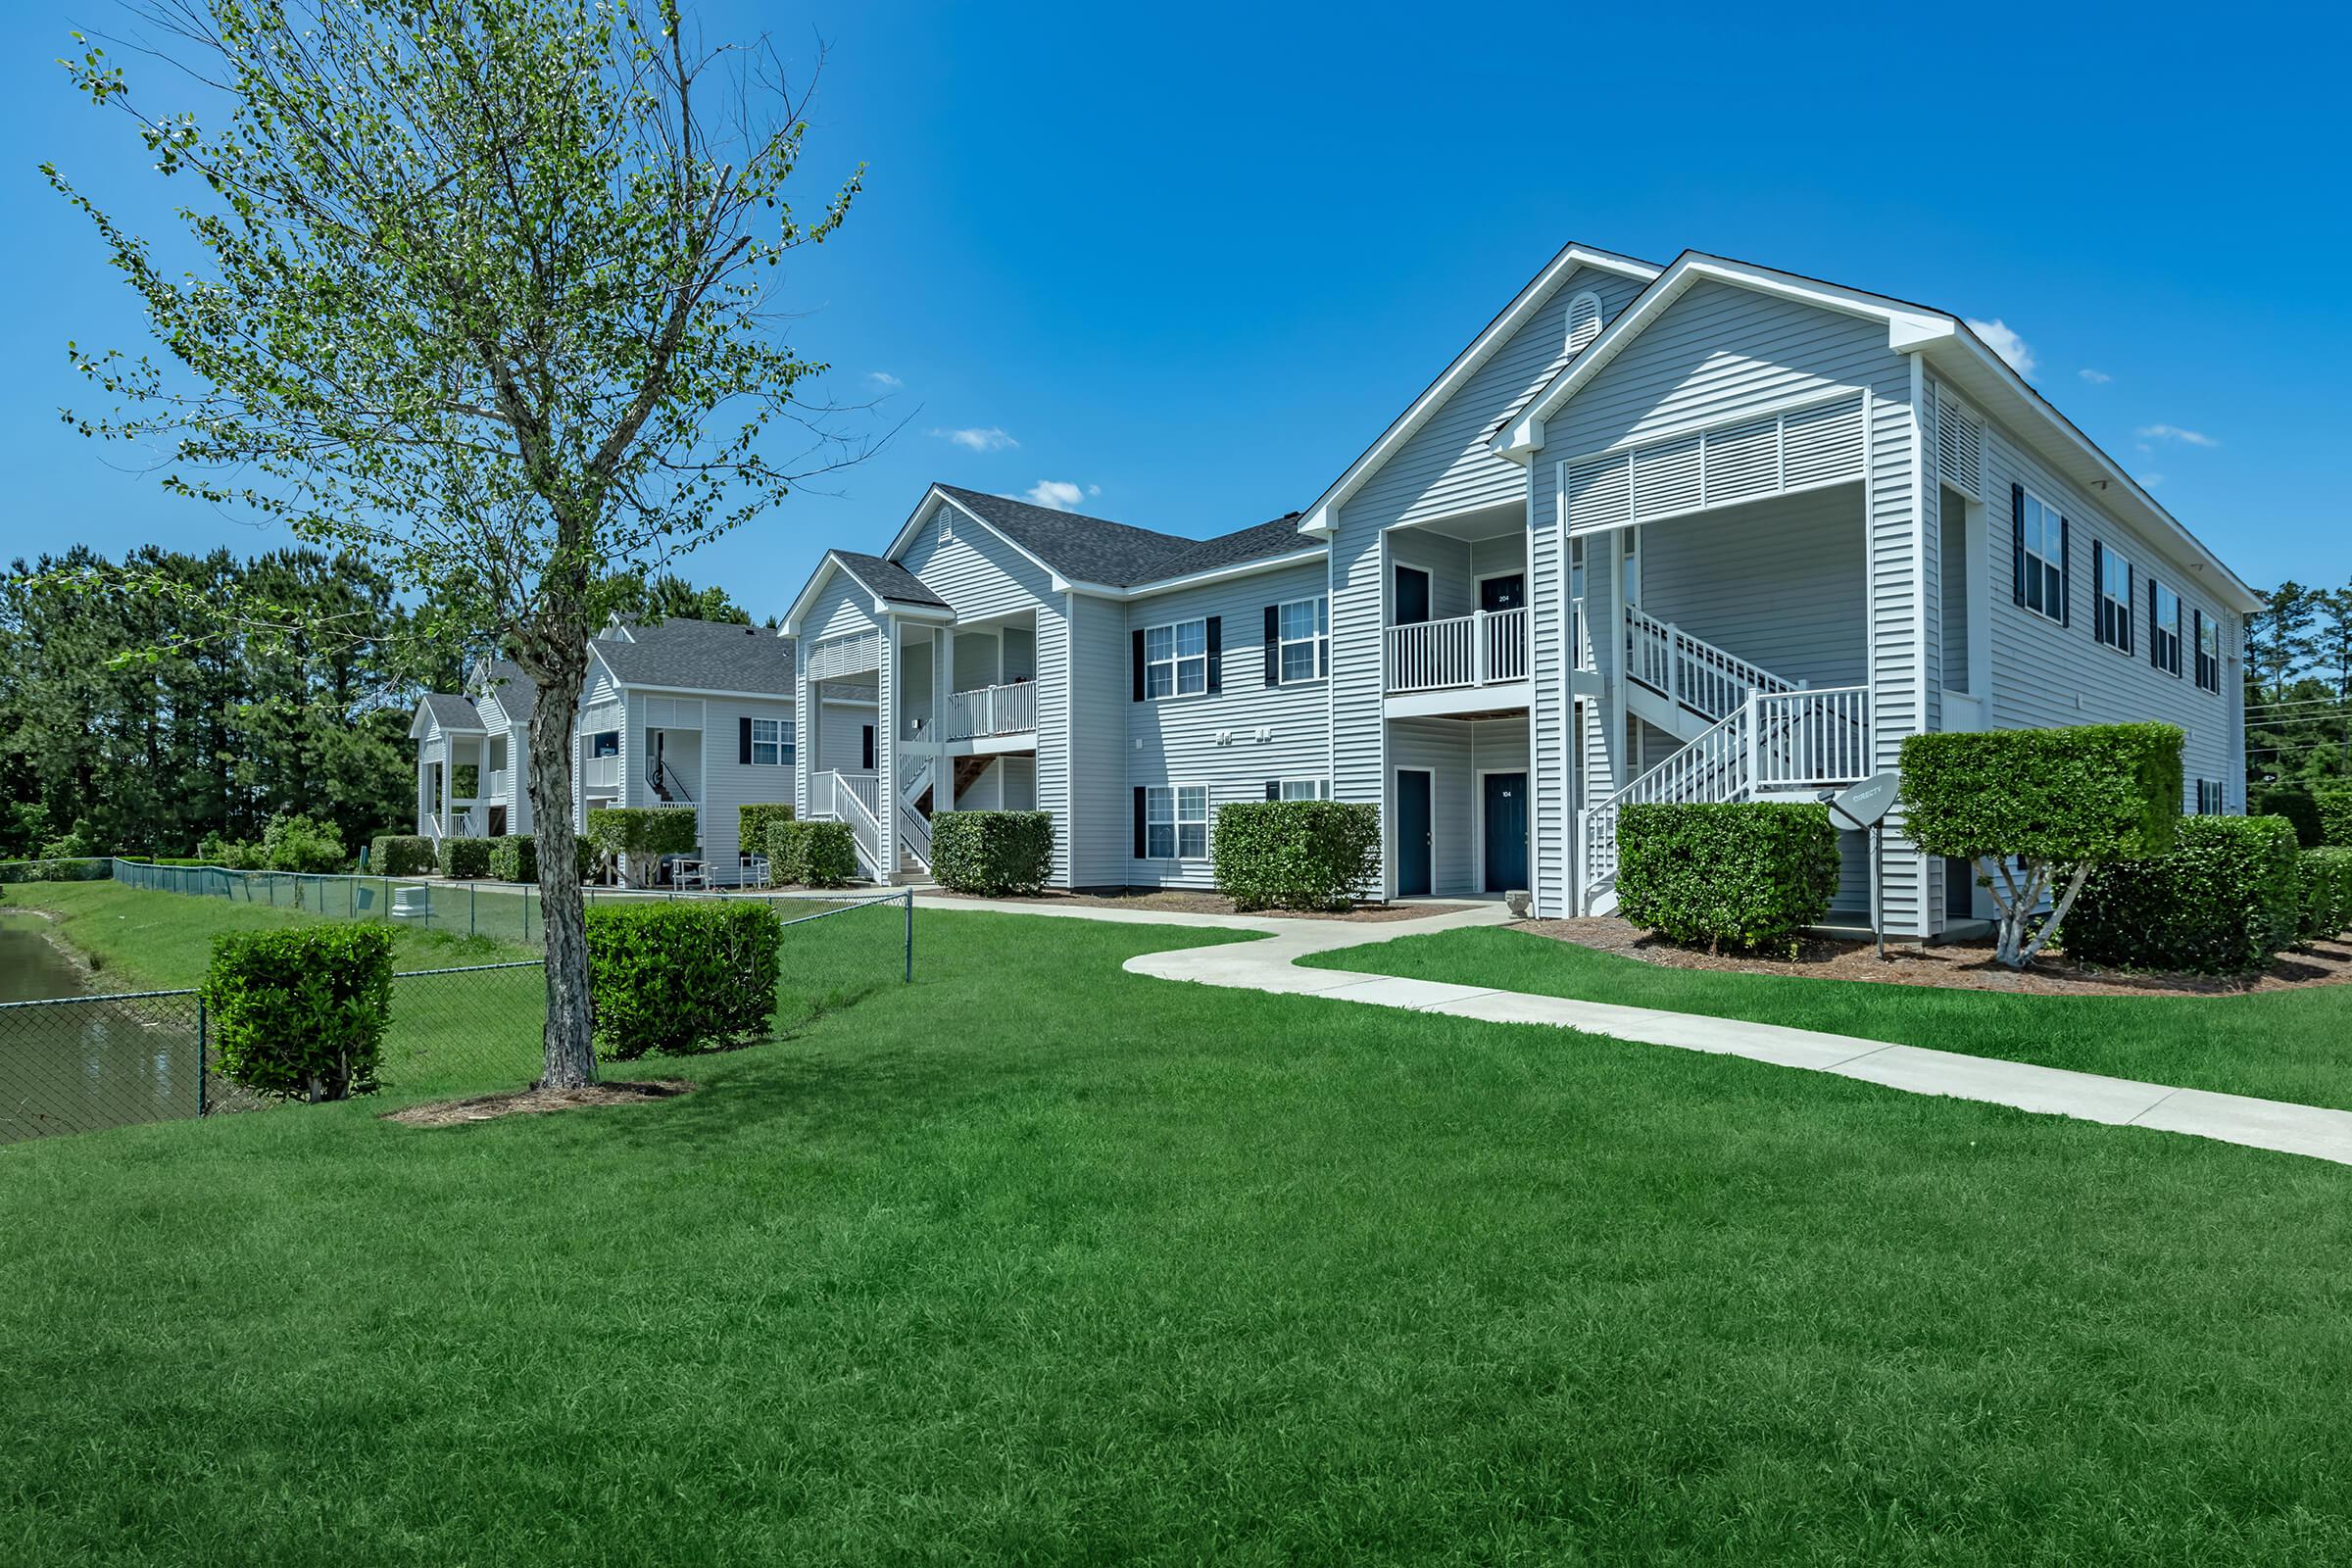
(943, 684)
(886, 747)
(424, 800)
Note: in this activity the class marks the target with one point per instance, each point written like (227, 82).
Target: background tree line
(2298, 677)
(138, 723)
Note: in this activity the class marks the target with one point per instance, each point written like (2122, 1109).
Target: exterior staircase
(1746, 733)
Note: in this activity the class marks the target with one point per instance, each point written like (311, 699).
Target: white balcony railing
(993, 710)
(502, 781)
(1812, 737)
(601, 773)
(1486, 649)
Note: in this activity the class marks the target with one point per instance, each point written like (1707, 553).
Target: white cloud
(990, 439)
(2007, 344)
(2151, 481)
(2173, 433)
(1059, 494)
(884, 379)
(2095, 377)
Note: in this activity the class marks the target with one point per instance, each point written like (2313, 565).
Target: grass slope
(1037, 1261)
(2281, 1045)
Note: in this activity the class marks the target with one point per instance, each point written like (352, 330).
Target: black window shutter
(1273, 789)
(2123, 612)
(1139, 822)
(1273, 648)
(2016, 539)
(2197, 641)
(1216, 653)
(2066, 573)
(1139, 666)
(2101, 622)
(743, 740)
(869, 748)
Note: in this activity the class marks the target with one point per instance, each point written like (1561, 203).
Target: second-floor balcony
(989, 711)
(1486, 648)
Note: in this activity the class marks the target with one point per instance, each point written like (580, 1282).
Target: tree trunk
(570, 1052)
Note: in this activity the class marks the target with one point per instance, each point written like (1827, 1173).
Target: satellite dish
(1866, 805)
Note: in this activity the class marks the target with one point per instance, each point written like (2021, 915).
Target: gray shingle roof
(513, 688)
(1117, 555)
(701, 655)
(887, 579)
(452, 712)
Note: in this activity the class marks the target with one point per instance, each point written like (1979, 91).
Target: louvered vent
(1959, 445)
(1801, 450)
(845, 656)
(1583, 321)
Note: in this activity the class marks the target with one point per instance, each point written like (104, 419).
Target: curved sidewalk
(1271, 965)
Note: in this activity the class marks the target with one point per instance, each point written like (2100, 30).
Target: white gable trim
(1907, 328)
(1942, 340)
(924, 510)
(882, 607)
(1323, 516)
(1167, 585)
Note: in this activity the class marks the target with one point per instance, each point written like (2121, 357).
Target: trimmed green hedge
(301, 1011)
(813, 855)
(2299, 806)
(466, 858)
(680, 978)
(752, 824)
(992, 852)
(2327, 893)
(515, 857)
(1744, 874)
(399, 855)
(2224, 899)
(2096, 792)
(2335, 815)
(1296, 855)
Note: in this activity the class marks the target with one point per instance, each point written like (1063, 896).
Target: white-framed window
(771, 742)
(1303, 789)
(605, 743)
(2209, 652)
(2164, 627)
(2211, 800)
(2041, 546)
(1303, 626)
(1584, 319)
(2115, 598)
(1176, 658)
(1176, 822)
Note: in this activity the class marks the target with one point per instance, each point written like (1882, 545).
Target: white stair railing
(1810, 738)
(1704, 679)
(914, 835)
(1714, 767)
(864, 827)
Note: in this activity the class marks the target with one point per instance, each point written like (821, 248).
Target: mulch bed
(1178, 901)
(1966, 966)
(537, 1101)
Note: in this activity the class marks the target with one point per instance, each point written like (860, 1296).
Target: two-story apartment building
(1700, 531)
(681, 713)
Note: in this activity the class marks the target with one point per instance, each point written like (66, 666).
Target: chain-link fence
(80, 1063)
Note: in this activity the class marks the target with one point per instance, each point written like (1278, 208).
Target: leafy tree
(642, 602)
(480, 305)
(2278, 640)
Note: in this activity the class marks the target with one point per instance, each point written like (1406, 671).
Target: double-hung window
(2115, 599)
(1303, 626)
(1176, 822)
(2164, 627)
(2042, 557)
(2209, 652)
(771, 742)
(1176, 658)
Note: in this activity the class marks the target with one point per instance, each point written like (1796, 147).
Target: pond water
(88, 1064)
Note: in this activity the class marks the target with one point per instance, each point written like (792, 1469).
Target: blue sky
(1189, 262)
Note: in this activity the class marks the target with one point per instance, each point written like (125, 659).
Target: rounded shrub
(2225, 899)
(2334, 802)
(1744, 874)
(301, 1011)
(811, 854)
(292, 842)
(640, 835)
(466, 859)
(992, 852)
(1296, 855)
(680, 978)
(2327, 893)
(401, 855)
(751, 822)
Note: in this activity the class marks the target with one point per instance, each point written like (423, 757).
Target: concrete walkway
(1272, 966)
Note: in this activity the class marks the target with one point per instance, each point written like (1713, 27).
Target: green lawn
(1038, 1261)
(2281, 1045)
